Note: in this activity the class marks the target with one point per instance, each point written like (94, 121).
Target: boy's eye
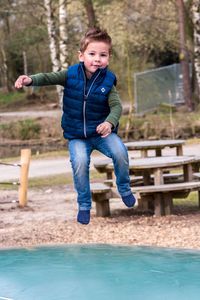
(102, 54)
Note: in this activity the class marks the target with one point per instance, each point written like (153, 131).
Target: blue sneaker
(129, 200)
(83, 217)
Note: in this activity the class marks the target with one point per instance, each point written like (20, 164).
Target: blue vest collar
(102, 70)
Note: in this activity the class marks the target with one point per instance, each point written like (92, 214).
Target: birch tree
(4, 71)
(4, 50)
(57, 46)
(196, 36)
(63, 35)
(51, 27)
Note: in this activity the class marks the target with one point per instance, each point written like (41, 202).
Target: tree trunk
(90, 13)
(25, 65)
(51, 27)
(63, 38)
(5, 73)
(63, 35)
(130, 95)
(25, 62)
(196, 24)
(184, 59)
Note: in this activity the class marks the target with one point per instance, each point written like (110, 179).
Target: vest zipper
(85, 99)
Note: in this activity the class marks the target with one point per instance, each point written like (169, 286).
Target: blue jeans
(80, 152)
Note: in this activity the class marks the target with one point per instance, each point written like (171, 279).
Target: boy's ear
(80, 56)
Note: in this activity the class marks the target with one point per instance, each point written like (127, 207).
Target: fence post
(23, 188)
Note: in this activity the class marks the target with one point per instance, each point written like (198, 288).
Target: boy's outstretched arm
(22, 80)
(42, 79)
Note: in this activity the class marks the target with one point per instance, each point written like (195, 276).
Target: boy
(91, 111)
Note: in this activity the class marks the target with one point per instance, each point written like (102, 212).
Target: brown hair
(95, 35)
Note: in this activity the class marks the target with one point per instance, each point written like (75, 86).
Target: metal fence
(157, 86)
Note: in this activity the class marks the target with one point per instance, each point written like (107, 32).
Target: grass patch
(20, 100)
(191, 200)
(8, 186)
(52, 154)
(49, 181)
(193, 141)
(53, 180)
(23, 130)
(61, 179)
(46, 155)
(11, 99)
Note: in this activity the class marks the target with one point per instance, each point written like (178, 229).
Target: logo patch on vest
(103, 90)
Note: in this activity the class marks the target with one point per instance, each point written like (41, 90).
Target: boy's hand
(104, 129)
(22, 80)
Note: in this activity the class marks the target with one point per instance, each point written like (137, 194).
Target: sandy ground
(50, 218)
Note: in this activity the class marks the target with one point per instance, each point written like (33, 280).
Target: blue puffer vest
(85, 102)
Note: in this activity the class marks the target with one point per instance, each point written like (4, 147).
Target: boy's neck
(88, 74)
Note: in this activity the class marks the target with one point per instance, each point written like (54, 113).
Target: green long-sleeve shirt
(59, 78)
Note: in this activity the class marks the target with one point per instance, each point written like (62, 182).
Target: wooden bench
(135, 180)
(196, 175)
(100, 166)
(138, 180)
(101, 193)
(161, 196)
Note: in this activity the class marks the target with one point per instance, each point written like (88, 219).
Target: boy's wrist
(31, 82)
(111, 123)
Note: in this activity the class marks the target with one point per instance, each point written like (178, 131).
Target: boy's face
(95, 56)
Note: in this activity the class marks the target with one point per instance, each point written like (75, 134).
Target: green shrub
(12, 98)
(23, 130)
(29, 129)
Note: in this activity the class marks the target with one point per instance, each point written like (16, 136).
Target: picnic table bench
(156, 145)
(196, 175)
(161, 196)
(155, 186)
(101, 194)
(138, 180)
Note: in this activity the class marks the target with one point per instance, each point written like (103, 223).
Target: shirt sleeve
(115, 107)
(52, 78)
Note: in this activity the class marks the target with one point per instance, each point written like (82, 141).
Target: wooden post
(158, 205)
(179, 150)
(23, 188)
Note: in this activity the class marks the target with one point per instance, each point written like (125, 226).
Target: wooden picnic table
(154, 165)
(157, 145)
(159, 192)
(157, 165)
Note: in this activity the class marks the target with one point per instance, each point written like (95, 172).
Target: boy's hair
(95, 35)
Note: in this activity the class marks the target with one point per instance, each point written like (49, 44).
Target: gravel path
(30, 114)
